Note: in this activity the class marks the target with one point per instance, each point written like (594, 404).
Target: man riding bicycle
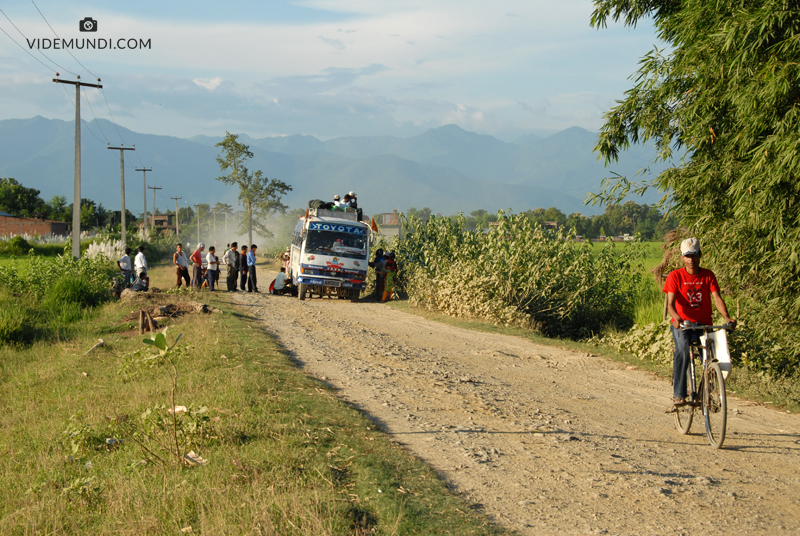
(689, 291)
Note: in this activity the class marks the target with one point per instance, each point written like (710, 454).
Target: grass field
(87, 443)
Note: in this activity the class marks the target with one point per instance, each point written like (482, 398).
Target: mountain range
(447, 169)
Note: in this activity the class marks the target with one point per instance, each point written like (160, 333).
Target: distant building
(389, 224)
(12, 225)
(164, 223)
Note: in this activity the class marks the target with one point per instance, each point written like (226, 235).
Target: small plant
(166, 433)
(77, 436)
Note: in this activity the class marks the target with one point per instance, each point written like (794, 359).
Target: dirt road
(546, 441)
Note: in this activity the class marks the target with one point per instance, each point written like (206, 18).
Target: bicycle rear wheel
(715, 405)
(685, 414)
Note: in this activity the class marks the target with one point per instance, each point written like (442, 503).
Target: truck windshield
(339, 244)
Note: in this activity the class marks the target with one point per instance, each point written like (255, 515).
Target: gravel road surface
(544, 440)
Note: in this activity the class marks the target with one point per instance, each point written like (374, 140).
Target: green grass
(285, 455)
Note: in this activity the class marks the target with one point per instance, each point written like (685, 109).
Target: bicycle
(707, 393)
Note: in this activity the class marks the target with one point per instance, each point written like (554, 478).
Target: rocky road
(545, 440)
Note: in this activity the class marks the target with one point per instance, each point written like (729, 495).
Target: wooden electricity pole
(197, 214)
(154, 188)
(144, 178)
(176, 215)
(122, 185)
(76, 193)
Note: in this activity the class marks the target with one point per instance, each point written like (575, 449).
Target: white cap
(352, 194)
(336, 197)
(690, 246)
(200, 245)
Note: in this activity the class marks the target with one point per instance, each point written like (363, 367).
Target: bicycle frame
(710, 394)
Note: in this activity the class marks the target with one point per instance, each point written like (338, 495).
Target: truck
(330, 254)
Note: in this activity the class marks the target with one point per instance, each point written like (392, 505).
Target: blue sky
(326, 67)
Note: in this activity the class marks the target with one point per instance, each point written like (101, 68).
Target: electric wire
(88, 71)
(83, 121)
(26, 52)
(39, 51)
(112, 115)
(95, 117)
(68, 51)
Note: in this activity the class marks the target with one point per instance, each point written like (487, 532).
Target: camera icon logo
(88, 24)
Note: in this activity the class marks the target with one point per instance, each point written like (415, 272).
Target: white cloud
(209, 83)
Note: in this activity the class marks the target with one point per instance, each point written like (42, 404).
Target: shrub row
(519, 274)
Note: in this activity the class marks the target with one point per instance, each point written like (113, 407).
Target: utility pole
(122, 185)
(215, 223)
(154, 188)
(176, 214)
(76, 194)
(144, 178)
(197, 214)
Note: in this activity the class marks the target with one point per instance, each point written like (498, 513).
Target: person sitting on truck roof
(353, 200)
(337, 203)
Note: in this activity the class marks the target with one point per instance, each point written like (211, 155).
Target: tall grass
(42, 297)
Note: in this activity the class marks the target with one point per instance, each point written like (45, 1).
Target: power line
(95, 117)
(91, 73)
(68, 51)
(112, 117)
(83, 122)
(39, 51)
(26, 51)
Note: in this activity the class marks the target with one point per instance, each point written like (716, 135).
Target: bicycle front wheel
(715, 405)
(685, 414)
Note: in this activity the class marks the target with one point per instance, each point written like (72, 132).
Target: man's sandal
(676, 403)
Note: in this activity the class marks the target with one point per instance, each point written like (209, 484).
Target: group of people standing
(385, 274)
(139, 269)
(240, 267)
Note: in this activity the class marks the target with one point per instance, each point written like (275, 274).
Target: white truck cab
(330, 254)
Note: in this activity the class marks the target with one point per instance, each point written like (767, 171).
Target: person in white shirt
(124, 264)
(280, 283)
(212, 272)
(231, 259)
(140, 267)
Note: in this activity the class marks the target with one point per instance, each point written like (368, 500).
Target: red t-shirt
(692, 294)
(196, 258)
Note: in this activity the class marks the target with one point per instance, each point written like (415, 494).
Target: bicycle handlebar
(693, 326)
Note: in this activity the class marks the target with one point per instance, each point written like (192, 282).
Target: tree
(57, 207)
(20, 201)
(725, 92)
(259, 196)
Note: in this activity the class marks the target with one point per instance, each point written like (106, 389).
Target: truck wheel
(301, 291)
(354, 294)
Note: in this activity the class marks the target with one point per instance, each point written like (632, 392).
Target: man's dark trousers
(243, 279)
(231, 278)
(252, 283)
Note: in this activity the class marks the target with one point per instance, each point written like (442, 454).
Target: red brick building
(11, 225)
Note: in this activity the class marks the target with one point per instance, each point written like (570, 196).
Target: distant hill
(447, 169)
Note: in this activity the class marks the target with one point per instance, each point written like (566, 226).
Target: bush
(74, 289)
(519, 274)
(17, 245)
